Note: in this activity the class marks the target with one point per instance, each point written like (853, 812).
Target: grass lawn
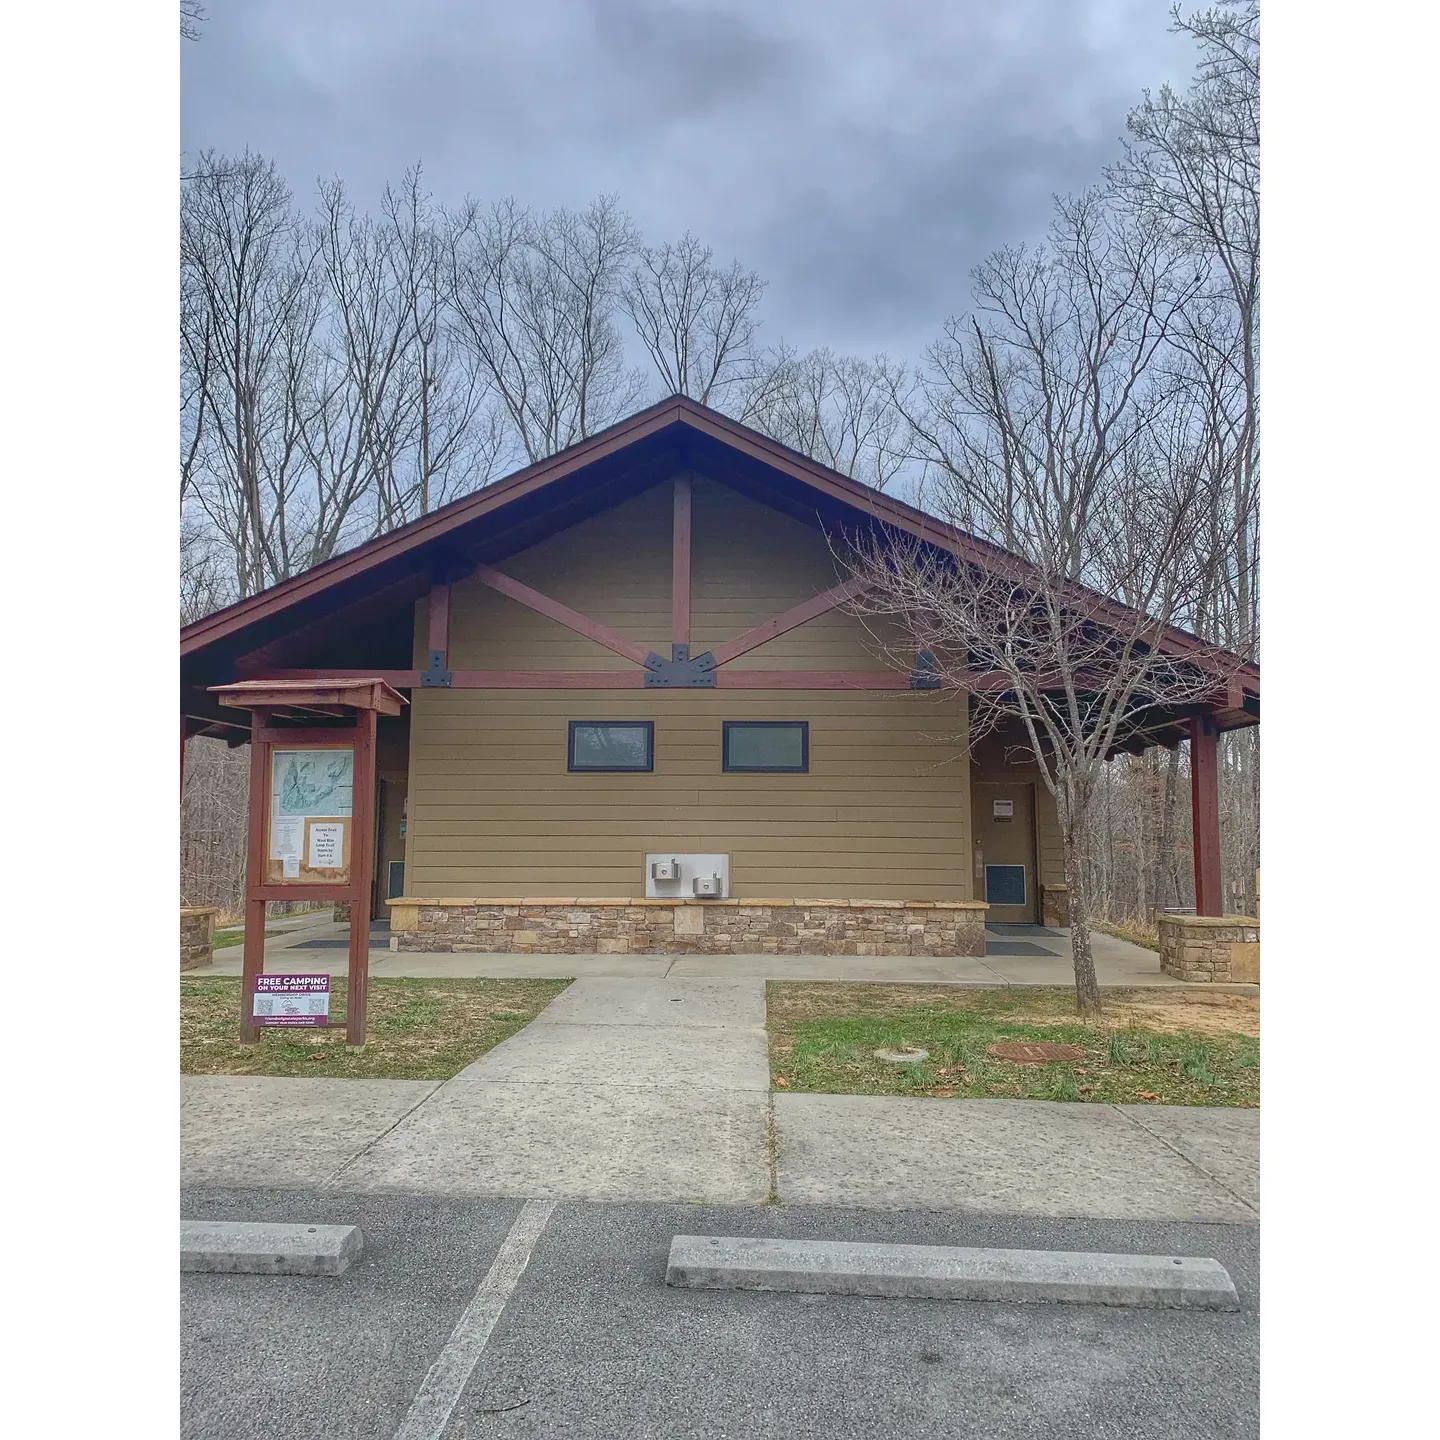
(418, 1029)
(1169, 1048)
(236, 936)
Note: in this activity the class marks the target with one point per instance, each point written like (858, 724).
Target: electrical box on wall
(705, 877)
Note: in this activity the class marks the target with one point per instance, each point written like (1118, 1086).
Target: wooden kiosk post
(312, 814)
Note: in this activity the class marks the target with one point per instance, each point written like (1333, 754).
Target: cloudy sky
(861, 156)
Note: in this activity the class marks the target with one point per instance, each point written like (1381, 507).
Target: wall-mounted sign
(311, 802)
(294, 1000)
(1003, 809)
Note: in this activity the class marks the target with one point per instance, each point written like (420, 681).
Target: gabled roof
(560, 490)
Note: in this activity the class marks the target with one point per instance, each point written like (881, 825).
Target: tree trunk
(1087, 987)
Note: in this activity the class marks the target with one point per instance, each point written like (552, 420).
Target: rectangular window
(1004, 884)
(612, 745)
(767, 746)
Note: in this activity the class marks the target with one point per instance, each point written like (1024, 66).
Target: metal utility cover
(1033, 1052)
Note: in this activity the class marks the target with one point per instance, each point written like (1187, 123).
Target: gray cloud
(862, 158)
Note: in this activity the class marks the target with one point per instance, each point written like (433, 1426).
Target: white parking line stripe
(440, 1390)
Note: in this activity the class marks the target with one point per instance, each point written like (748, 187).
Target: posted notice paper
(327, 846)
(287, 836)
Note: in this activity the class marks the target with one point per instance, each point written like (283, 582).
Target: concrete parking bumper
(240, 1247)
(945, 1272)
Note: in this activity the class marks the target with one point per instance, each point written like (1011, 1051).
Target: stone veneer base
(197, 935)
(1055, 906)
(580, 926)
(1211, 948)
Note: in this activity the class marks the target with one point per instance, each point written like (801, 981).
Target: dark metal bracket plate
(681, 671)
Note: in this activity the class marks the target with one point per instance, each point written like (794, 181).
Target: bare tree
(1079, 674)
(456, 437)
(1192, 167)
(1051, 428)
(837, 409)
(192, 17)
(1032, 401)
(535, 299)
(695, 319)
(367, 393)
(204, 584)
(247, 330)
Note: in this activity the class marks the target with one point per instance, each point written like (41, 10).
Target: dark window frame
(647, 769)
(803, 768)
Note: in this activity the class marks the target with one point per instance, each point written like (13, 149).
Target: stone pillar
(197, 935)
(1055, 906)
(1211, 948)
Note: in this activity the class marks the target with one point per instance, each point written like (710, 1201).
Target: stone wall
(342, 912)
(1055, 906)
(197, 936)
(1211, 948)
(689, 927)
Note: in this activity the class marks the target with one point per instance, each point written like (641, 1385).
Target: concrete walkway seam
(376, 1139)
(440, 1391)
(243, 1247)
(1189, 1160)
(945, 1272)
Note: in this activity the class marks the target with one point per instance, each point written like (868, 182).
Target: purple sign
(292, 1000)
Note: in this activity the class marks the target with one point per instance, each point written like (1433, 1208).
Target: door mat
(376, 937)
(992, 947)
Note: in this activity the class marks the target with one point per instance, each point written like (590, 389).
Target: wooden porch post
(1205, 814)
(362, 867)
(253, 964)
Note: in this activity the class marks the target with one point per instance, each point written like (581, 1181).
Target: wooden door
(1004, 822)
(390, 849)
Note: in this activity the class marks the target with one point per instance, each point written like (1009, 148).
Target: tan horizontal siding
(495, 812)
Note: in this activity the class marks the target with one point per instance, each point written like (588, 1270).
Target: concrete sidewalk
(316, 945)
(619, 1088)
(658, 1090)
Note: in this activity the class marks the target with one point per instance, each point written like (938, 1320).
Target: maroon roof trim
(645, 423)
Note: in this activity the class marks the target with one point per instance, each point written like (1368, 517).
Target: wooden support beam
(562, 614)
(635, 680)
(680, 565)
(253, 958)
(797, 615)
(396, 679)
(291, 736)
(1205, 814)
(440, 622)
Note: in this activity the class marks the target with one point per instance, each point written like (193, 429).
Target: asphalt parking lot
(593, 1343)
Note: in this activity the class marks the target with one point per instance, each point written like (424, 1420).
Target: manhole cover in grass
(1034, 1052)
